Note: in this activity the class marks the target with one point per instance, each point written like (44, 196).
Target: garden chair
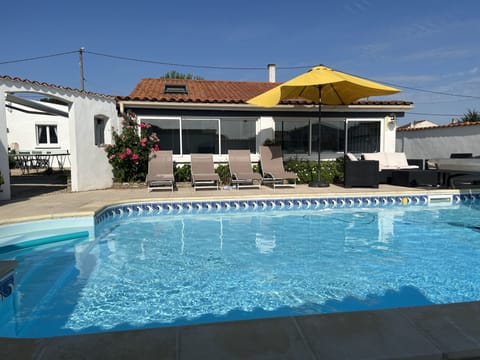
(241, 169)
(160, 171)
(203, 172)
(271, 161)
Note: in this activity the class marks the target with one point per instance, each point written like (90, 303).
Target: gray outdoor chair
(271, 160)
(241, 170)
(203, 172)
(160, 171)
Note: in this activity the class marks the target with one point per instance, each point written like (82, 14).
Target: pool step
(42, 292)
(43, 241)
(7, 269)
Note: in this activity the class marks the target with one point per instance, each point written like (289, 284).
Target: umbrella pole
(319, 183)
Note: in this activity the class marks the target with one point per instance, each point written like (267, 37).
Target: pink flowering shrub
(131, 149)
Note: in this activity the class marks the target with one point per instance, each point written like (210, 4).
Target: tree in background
(176, 75)
(471, 116)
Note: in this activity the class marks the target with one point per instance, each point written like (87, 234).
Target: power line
(37, 57)
(433, 92)
(190, 65)
(173, 64)
(222, 68)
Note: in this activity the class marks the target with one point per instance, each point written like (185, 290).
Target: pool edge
(427, 332)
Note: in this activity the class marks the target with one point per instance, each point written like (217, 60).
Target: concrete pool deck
(430, 332)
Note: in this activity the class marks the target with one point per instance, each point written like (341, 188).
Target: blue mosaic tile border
(117, 212)
(6, 285)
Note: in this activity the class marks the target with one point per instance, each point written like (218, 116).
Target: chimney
(271, 72)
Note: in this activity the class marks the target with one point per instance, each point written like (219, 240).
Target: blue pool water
(174, 269)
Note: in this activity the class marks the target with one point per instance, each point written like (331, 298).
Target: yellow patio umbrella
(322, 85)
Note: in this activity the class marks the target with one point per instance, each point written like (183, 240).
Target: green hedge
(331, 171)
(183, 174)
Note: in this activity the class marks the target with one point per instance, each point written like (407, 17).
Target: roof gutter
(229, 106)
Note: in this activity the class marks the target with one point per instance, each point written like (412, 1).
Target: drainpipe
(271, 72)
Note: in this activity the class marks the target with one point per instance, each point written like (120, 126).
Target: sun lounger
(203, 172)
(160, 171)
(271, 160)
(241, 170)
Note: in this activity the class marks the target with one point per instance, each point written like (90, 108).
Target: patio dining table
(35, 160)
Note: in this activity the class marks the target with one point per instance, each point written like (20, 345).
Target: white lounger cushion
(390, 160)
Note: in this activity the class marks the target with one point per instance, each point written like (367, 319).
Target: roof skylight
(175, 89)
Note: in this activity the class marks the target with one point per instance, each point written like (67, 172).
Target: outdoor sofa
(388, 162)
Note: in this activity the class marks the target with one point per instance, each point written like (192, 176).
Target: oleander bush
(130, 150)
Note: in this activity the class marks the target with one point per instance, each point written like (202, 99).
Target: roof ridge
(36, 82)
(208, 80)
(469, 123)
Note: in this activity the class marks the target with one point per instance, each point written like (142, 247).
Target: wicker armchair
(362, 173)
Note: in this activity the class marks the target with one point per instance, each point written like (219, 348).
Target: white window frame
(47, 129)
(100, 130)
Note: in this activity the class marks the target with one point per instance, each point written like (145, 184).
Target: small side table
(415, 177)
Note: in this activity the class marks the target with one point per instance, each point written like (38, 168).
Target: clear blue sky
(431, 45)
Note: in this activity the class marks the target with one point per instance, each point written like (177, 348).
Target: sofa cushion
(396, 160)
(390, 160)
(351, 157)
(378, 156)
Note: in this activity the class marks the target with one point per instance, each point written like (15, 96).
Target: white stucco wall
(389, 132)
(89, 165)
(5, 188)
(265, 130)
(439, 142)
(92, 170)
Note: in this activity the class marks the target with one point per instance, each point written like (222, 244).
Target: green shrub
(223, 172)
(131, 149)
(182, 173)
(2, 181)
(331, 171)
(11, 162)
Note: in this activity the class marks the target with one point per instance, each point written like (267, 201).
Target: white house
(31, 130)
(189, 116)
(81, 124)
(205, 116)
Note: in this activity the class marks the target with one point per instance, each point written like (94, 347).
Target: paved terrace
(431, 332)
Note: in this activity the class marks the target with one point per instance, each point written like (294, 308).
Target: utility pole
(82, 78)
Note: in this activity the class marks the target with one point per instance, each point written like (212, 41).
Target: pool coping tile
(379, 334)
(454, 328)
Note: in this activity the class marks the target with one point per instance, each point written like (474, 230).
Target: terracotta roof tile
(441, 126)
(33, 82)
(214, 91)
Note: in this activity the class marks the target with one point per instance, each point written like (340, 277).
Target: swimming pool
(151, 265)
